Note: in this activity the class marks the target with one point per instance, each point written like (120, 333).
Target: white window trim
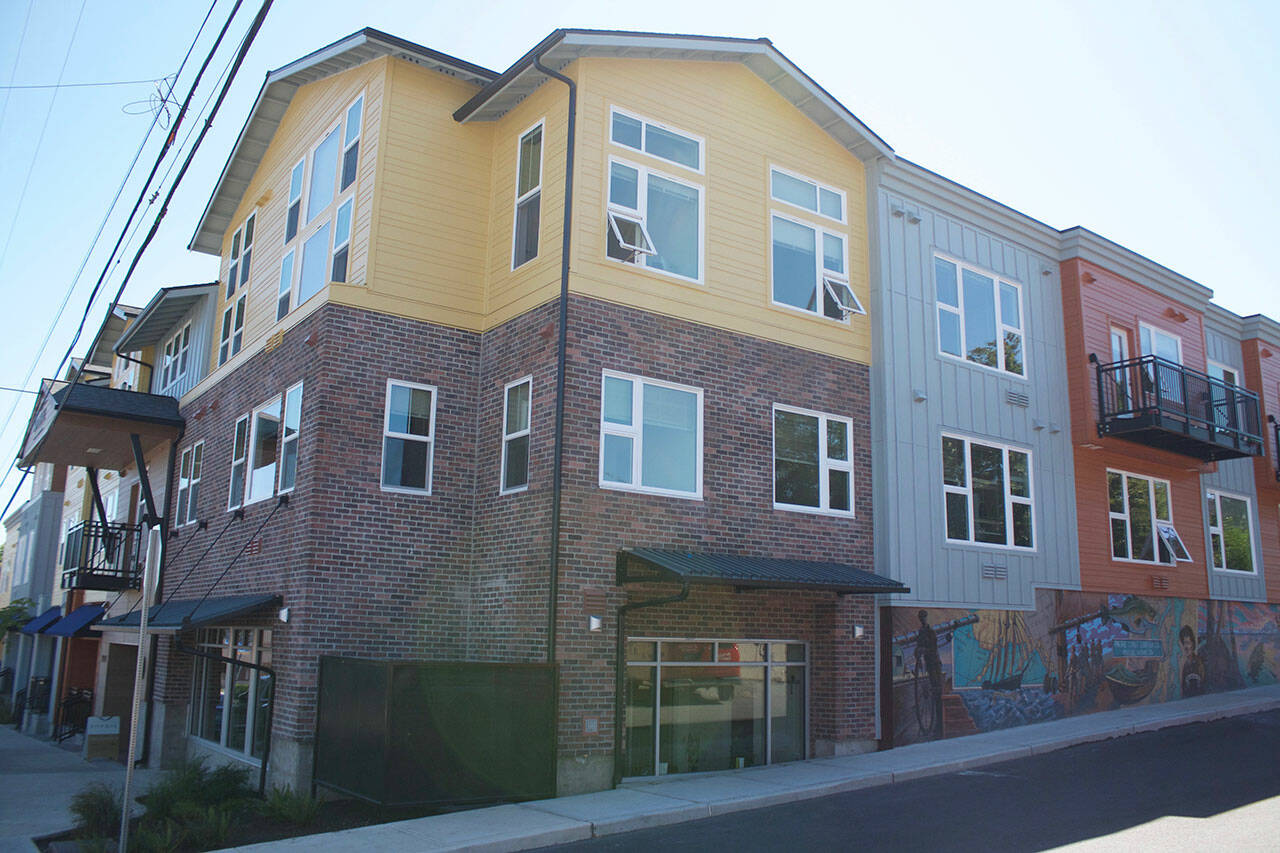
(305, 222)
(185, 484)
(823, 274)
(239, 459)
(1155, 522)
(507, 437)
(173, 370)
(289, 199)
(1154, 329)
(1215, 495)
(634, 431)
(284, 415)
(429, 439)
(249, 498)
(335, 246)
(645, 124)
(537, 190)
(232, 335)
(227, 650)
(642, 214)
(1210, 364)
(1001, 326)
(825, 464)
(292, 257)
(1009, 497)
(818, 187)
(346, 146)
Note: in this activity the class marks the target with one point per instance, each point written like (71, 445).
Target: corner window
(517, 410)
(812, 461)
(188, 484)
(231, 702)
(1230, 532)
(979, 316)
(291, 425)
(264, 447)
(630, 131)
(1141, 519)
(650, 436)
(408, 435)
(987, 493)
(239, 460)
(528, 196)
(654, 220)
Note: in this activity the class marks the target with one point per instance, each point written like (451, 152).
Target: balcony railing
(1162, 404)
(103, 556)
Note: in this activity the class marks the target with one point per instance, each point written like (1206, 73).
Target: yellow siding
(747, 127)
(430, 222)
(315, 108)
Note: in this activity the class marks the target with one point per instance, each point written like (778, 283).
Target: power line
(17, 390)
(81, 85)
(13, 69)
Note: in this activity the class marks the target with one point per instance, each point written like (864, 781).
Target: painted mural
(958, 672)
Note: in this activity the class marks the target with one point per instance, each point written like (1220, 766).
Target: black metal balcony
(1160, 403)
(103, 556)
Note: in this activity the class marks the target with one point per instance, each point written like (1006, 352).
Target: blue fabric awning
(44, 620)
(76, 622)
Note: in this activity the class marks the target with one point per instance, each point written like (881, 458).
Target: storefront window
(717, 705)
(230, 702)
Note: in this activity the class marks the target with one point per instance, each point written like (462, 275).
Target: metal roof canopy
(92, 427)
(564, 46)
(167, 307)
(636, 565)
(184, 614)
(274, 98)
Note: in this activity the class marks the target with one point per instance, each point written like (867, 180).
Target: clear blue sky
(1155, 124)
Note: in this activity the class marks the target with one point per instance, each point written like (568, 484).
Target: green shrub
(97, 809)
(284, 805)
(192, 787)
(207, 828)
(227, 783)
(157, 837)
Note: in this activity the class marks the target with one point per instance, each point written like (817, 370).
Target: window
(987, 493)
(812, 461)
(807, 194)
(650, 436)
(232, 330)
(1223, 395)
(517, 410)
(351, 143)
(323, 253)
(654, 219)
(656, 140)
(1142, 520)
(1230, 532)
(1120, 378)
(979, 316)
(286, 285)
(408, 437)
(264, 446)
(800, 281)
(239, 457)
(231, 702)
(188, 484)
(173, 365)
(291, 424)
(237, 282)
(1165, 346)
(528, 196)
(700, 705)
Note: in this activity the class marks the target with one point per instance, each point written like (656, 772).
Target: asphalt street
(1190, 787)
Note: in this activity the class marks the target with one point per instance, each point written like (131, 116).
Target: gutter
(562, 345)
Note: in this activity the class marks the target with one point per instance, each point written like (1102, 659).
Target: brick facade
(462, 574)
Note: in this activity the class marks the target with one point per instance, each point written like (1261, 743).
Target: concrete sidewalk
(637, 805)
(37, 782)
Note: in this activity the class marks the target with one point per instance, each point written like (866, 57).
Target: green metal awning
(648, 564)
(184, 614)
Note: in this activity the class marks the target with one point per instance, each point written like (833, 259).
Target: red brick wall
(1262, 375)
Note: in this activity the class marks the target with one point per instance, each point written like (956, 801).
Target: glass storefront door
(699, 705)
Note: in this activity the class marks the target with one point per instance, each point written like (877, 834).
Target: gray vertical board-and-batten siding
(1234, 476)
(963, 398)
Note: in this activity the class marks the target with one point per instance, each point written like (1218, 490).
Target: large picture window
(1141, 516)
(979, 316)
(812, 461)
(230, 701)
(408, 437)
(987, 493)
(1230, 532)
(700, 705)
(650, 436)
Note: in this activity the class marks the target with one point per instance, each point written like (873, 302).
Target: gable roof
(274, 98)
(563, 46)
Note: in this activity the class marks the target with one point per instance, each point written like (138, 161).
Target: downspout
(562, 345)
(619, 665)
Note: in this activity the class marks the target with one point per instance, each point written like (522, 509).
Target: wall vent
(1017, 398)
(995, 573)
(1159, 581)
